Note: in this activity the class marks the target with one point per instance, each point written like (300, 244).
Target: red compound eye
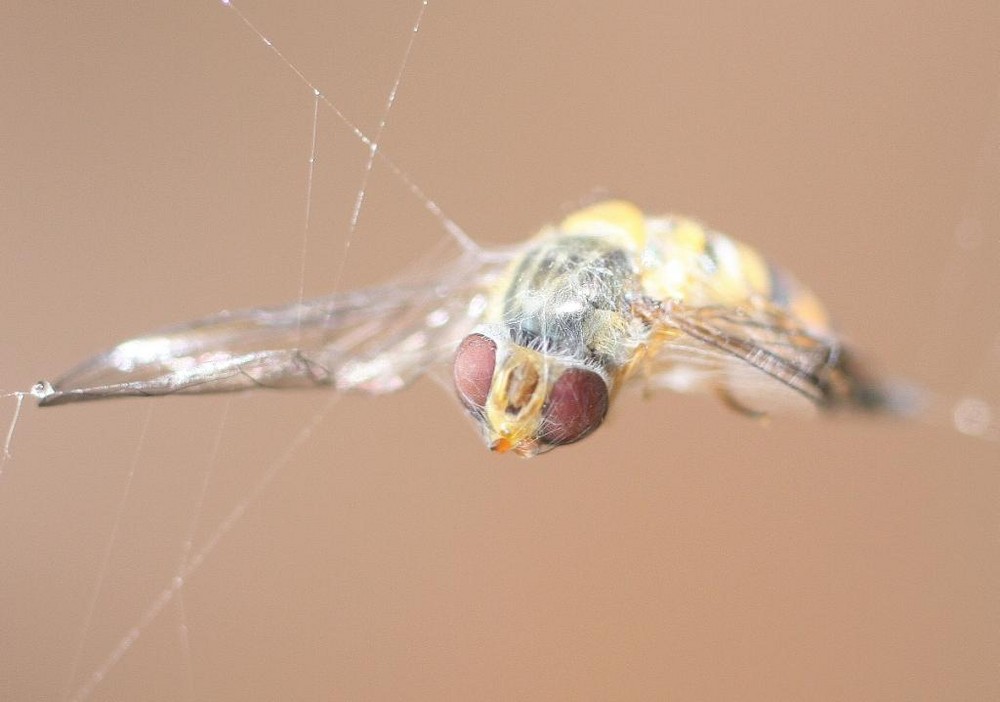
(473, 369)
(576, 406)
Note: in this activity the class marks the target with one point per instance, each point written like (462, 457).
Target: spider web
(178, 160)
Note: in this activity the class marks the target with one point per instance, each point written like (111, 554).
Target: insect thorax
(570, 297)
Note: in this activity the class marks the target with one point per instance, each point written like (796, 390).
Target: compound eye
(473, 369)
(576, 406)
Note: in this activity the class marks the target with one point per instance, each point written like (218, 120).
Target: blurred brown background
(153, 169)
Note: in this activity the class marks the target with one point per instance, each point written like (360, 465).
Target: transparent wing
(758, 357)
(373, 340)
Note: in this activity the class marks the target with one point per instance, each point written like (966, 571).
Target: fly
(540, 337)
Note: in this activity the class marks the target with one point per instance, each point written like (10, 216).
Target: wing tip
(49, 395)
(44, 393)
(896, 398)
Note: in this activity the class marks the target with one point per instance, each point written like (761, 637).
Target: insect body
(610, 295)
(540, 337)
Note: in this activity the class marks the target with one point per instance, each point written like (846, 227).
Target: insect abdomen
(704, 267)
